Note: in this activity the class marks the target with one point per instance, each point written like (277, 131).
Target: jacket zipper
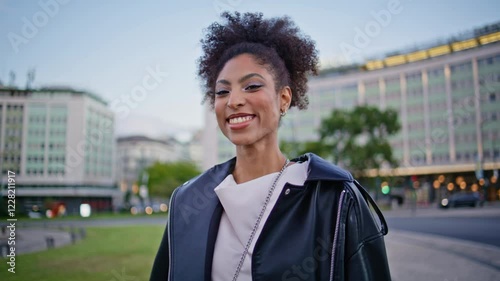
(335, 237)
(170, 217)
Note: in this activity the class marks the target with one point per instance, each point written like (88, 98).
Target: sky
(140, 56)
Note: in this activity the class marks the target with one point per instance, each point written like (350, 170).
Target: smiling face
(247, 105)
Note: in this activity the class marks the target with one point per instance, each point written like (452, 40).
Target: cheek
(219, 111)
(271, 111)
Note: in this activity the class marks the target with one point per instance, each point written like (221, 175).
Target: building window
(467, 156)
(392, 80)
(461, 67)
(371, 84)
(414, 76)
(493, 96)
(486, 61)
(436, 72)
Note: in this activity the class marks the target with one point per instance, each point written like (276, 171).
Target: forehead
(242, 65)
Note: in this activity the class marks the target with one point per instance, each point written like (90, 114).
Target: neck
(256, 161)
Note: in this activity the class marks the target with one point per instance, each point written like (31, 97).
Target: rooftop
(137, 138)
(17, 92)
(475, 38)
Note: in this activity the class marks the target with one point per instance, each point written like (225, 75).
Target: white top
(242, 205)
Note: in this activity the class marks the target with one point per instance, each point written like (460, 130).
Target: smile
(242, 119)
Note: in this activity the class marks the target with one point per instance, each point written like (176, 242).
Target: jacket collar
(319, 168)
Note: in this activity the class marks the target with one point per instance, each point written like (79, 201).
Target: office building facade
(60, 144)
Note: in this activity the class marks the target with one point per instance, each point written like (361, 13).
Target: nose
(236, 99)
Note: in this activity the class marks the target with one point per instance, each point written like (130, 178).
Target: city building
(59, 142)
(195, 148)
(448, 98)
(136, 153)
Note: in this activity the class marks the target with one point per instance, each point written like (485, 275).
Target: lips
(239, 121)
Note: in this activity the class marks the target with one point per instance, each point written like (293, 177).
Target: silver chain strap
(254, 230)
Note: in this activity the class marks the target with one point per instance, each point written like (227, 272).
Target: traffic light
(415, 182)
(385, 188)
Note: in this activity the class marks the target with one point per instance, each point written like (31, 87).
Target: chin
(238, 141)
(248, 138)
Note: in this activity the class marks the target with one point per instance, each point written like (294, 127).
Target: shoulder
(208, 179)
(320, 169)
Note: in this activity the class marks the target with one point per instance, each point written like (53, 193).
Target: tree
(294, 148)
(165, 177)
(356, 140)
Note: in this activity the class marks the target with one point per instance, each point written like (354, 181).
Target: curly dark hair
(276, 43)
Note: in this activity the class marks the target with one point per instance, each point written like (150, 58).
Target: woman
(260, 216)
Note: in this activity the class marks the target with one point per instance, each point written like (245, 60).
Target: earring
(283, 113)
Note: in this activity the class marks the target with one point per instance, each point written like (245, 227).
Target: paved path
(30, 240)
(416, 257)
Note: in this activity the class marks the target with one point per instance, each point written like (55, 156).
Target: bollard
(4, 250)
(73, 237)
(83, 233)
(50, 242)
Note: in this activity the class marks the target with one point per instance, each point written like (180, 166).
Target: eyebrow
(241, 80)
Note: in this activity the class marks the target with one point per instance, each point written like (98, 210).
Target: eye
(221, 92)
(253, 87)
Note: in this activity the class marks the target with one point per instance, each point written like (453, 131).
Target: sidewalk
(415, 257)
(30, 240)
(419, 256)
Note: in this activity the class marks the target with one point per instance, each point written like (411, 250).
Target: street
(480, 229)
(480, 225)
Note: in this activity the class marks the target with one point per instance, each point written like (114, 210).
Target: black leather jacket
(323, 230)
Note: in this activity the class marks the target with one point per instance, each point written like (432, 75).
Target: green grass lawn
(107, 254)
(104, 215)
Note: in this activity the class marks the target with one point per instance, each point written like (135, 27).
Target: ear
(285, 98)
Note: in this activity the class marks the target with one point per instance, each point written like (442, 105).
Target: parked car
(471, 199)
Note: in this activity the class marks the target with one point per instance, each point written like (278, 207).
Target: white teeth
(240, 119)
